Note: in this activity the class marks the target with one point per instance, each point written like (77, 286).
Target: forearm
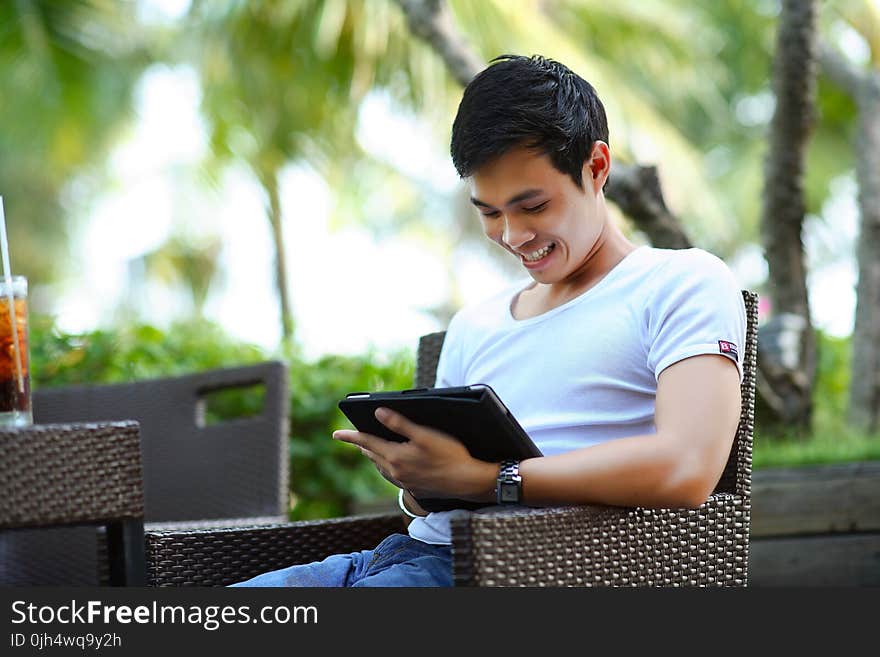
(645, 470)
(697, 411)
(696, 415)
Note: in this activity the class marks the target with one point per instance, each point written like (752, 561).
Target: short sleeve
(696, 308)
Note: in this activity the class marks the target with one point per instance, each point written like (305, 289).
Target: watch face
(509, 492)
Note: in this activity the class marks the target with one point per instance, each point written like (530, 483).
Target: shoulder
(691, 282)
(689, 269)
(691, 260)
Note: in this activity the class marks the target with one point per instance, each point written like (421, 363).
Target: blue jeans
(397, 561)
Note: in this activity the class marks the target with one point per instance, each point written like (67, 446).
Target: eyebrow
(522, 196)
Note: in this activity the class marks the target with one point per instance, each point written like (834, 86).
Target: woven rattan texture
(561, 546)
(229, 469)
(57, 474)
(611, 546)
(227, 472)
(222, 557)
(428, 355)
(737, 475)
(604, 546)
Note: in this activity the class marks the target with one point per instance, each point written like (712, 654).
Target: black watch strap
(508, 486)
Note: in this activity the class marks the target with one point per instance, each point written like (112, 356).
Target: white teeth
(540, 253)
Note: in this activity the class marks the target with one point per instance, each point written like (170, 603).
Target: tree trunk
(864, 410)
(636, 191)
(270, 184)
(430, 20)
(864, 87)
(788, 353)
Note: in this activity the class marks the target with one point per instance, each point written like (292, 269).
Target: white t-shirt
(586, 372)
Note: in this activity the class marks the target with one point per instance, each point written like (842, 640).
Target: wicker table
(57, 475)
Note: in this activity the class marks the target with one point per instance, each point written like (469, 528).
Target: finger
(367, 441)
(381, 465)
(400, 424)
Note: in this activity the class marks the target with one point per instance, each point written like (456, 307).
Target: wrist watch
(508, 486)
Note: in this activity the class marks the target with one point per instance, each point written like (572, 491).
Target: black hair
(531, 101)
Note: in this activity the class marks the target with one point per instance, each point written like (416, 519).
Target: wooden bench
(816, 526)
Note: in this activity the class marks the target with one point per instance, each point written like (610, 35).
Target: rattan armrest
(219, 557)
(604, 546)
(558, 546)
(213, 523)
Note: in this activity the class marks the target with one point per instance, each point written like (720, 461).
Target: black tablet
(473, 414)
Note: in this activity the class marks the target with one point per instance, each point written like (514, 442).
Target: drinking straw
(7, 272)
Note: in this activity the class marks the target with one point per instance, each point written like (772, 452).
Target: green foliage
(130, 353)
(327, 478)
(823, 446)
(831, 390)
(69, 71)
(831, 440)
(326, 475)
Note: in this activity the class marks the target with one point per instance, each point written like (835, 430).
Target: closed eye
(490, 213)
(536, 208)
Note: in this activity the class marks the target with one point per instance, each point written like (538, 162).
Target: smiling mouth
(540, 254)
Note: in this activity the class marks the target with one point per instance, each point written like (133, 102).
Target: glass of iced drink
(15, 388)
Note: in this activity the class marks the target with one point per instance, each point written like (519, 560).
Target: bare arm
(696, 414)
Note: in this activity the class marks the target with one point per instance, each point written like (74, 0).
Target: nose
(515, 233)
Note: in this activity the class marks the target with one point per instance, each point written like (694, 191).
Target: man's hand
(430, 463)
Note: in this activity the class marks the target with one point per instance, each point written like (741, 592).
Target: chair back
(193, 470)
(68, 475)
(737, 475)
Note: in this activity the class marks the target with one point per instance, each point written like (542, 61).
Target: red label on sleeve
(727, 348)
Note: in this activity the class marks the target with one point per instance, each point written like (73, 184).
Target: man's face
(538, 214)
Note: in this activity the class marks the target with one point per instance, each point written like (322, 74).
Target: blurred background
(190, 184)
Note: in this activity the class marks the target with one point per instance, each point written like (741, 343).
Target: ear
(597, 166)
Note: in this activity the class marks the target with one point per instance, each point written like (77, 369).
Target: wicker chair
(75, 474)
(558, 546)
(195, 473)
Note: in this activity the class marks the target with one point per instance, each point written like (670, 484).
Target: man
(621, 362)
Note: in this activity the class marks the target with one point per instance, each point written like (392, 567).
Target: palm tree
(862, 84)
(182, 262)
(68, 71)
(283, 81)
(794, 83)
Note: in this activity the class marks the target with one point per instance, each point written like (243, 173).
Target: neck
(610, 248)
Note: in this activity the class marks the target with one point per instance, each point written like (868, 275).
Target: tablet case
(473, 414)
